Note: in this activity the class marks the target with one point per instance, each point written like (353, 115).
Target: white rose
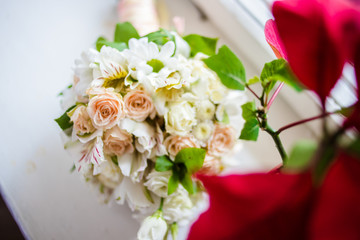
(203, 131)
(153, 227)
(230, 108)
(205, 110)
(110, 174)
(178, 207)
(180, 119)
(157, 182)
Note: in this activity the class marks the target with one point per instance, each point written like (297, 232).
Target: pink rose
(174, 144)
(117, 142)
(81, 120)
(139, 105)
(212, 165)
(222, 140)
(106, 108)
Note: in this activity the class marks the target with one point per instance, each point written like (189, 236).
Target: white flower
(110, 174)
(153, 227)
(155, 67)
(84, 69)
(178, 207)
(208, 84)
(205, 110)
(163, 96)
(144, 133)
(157, 182)
(230, 107)
(141, 53)
(160, 147)
(180, 119)
(182, 47)
(112, 66)
(91, 154)
(133, 165)
(203, 130)
(133, 193)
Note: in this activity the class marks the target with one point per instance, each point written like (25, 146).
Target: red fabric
(314, 54)
(283, 206)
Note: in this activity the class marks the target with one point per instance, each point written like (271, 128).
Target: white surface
(40, 40)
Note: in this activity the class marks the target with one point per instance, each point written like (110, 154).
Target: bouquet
(145, 113)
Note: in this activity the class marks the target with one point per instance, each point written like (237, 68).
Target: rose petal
(256, 206)
(337, 211)
(314, 54)
(273, 39)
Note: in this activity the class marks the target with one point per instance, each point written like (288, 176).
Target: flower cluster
(133, 104)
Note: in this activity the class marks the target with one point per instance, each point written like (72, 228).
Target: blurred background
(40, 41)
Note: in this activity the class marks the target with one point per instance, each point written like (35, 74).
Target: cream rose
(174, 144)
(222, 140)
(117, 142)
(203, 131)
(212, 165)
(81, 120)
(180, 118)
(106, 108)
(157, 182)
(205, 110)
(139, 105)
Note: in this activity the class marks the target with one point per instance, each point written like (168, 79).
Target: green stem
(161, 204)
(277, 140)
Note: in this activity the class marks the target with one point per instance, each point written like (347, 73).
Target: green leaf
(323, 164)
(148, 195)
(248, 110)
(250, 130)
(163, 163)
(228, 67)
(192, 158)
(201, 44)
(124, 32)
(301, 154)
(100, 42)
(102, 188)
(226, 118)
(160, 37)
(354, 148)
(347, 111)
(278, 70)
(173, 182)
(64, 120)
(156, 64)
(253, 80)
(73, 168)
(114, 159)
(187, 183)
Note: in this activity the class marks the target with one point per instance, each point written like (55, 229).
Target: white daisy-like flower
(154, 66)
(112, 66)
